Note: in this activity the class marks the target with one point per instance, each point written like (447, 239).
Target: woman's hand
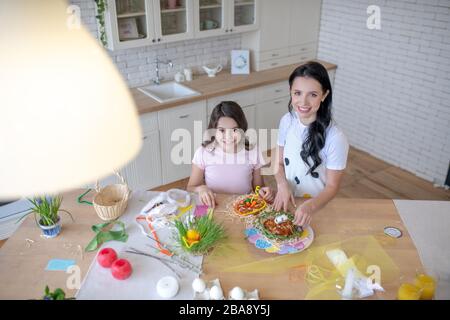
(267, 194)
(283, 197)
(303, 214)
(206, 196)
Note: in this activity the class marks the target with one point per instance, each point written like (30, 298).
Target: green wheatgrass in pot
(262, 217)
(210, 234)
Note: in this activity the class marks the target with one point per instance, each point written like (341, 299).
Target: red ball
(106, 257)
(121, 269)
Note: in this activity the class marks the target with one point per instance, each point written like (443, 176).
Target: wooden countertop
(224, 83)
(22, 265)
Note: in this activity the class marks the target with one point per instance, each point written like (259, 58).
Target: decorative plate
(278, 242)
(249, 204)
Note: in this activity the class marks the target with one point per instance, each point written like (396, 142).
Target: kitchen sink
(168, 91)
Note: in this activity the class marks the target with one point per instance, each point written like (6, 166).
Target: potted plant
(199, 235)
(58, 294)
(45, 209)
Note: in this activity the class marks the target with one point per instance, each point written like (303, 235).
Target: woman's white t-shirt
(292, 133)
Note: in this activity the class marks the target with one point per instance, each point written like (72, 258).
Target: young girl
(313, 150)
(227, 163)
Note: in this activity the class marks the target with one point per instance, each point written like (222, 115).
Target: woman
(312, 149)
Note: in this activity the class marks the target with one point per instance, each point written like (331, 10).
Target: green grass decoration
(45, 209)
(259, 224)
(210, 233)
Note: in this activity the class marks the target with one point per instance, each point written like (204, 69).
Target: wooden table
(22, 264)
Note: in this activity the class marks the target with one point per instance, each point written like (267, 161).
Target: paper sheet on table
(99, 283)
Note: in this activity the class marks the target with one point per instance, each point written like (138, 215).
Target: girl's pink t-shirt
(228, 172)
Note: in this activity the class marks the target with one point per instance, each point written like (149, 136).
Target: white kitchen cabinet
(181, 133)
(135, 23)
(246, 99)
(271, 104)
(243, 98)
(143, 172)
(275, 27)
(210, 18)
(218, 17)
(305, 21)
(174, 24)
(268, 116)
(269, 113)
(244, 15)
(288, 33)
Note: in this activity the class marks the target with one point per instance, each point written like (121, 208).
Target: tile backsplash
(137, 64)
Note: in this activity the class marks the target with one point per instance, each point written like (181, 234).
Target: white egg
(216, 293)
(198, 285)
(237, 293)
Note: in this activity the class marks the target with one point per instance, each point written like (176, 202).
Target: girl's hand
(303, 214)
(283, 197)
(267, 194)
(207, 197)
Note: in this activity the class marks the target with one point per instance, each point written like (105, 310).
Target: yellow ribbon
(257, 188)
(189, 243)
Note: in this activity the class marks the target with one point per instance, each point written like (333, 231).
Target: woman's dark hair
(315, 139)
(232, 110)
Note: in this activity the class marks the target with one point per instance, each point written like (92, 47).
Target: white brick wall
(392, 86)
(136, 65)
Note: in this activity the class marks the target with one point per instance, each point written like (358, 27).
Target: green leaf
(103, 236)
(59, 294)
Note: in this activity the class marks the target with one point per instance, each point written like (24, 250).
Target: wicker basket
(111, 201)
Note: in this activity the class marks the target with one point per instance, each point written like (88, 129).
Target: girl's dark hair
(315, 139)
(228, 109)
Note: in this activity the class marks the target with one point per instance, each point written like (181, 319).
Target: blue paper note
(59, 264)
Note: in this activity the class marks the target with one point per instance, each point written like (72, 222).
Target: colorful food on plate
(278, 225)
(249, 204)
(285, 228)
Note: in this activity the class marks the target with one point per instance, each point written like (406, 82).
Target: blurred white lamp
(66, 116)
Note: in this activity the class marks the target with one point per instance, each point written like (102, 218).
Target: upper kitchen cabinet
(244, 15)
(218, 17)
(135, 23)
(288, 33)
(175, 20)
(305, 21)
(210, 18)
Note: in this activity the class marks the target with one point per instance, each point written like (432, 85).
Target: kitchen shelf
(131, 14)
(213, 6)
(173, 10)
(239, 4)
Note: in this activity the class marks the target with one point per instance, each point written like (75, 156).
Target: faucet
(158, 79)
